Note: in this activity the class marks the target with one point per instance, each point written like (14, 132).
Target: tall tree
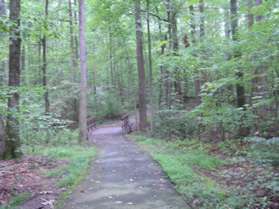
(2, 8)
(250, 16)
(240, 89)
(2, 69)
(83, 68)
(150, 62)
(12, 143)
(72, 39)
(141, 70)
(259, 17)
(44, 67)
(227, 25)
(192, 23)
(2, 63)
(202, 18)
(149, 45)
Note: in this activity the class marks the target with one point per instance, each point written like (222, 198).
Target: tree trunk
(202, 19)
(44, 67)
(259, 17)
(75, 23)
(192, 24)
(12, 143)
(2, 8)
(227, 23)
(2, 63)
(149, 45)
(83, 68)
(2, 138)
(112, 74)
(150, 65)
(250, 16)
(234, 20)
(141, 70)
(240, 89)
(72, 41)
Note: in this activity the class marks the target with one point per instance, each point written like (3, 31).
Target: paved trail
(123, 177)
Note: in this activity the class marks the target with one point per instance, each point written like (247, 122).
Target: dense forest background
(210, 67)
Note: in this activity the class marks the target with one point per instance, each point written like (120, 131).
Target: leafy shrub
(265, 150)
(175, 124)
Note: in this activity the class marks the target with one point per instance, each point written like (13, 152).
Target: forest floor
(124, 177)
(44, 177)
(229, 174)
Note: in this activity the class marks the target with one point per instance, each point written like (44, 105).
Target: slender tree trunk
(162, 82)
(202, 19)
(112, 83)
(75, 24)
(12, 143)
(259, 17)
(130, 77)
(150, 64)
(2, 72)
(44, 67)
(227, 23)
(192, 25)
(72, 41)
(149, 45)
(83, 68)
(168, 7)
(234, 20)
(2, 63)
(94, 80)
(2, 8)
(22, 64)
(2, 138)
(141, 70)
(240, 89)
(250, 16)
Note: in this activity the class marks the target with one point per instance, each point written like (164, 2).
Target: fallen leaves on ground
(26, 175)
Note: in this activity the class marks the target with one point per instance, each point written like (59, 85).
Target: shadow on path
(123, 177)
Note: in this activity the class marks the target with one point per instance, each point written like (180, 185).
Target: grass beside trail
(74, 171)
(182, 161)
(247, 178)
(77, 160)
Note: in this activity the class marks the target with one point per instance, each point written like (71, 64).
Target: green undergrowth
(17, 200)
(77, 160)
(186, 163)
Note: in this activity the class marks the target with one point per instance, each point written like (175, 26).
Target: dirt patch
(27, 176)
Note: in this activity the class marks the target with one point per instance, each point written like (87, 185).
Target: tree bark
(12, 143)
(150, 64)
(149, 45)
(192, 24)
(240, 89)
(227, 22)
(259, 17)
(140, 64)
(75, 23)
(2, 8)
(2, 63)
(234, 20)
(83, 68)
(72, 41)
(44, 67)
(202, 19)
(250, 16)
